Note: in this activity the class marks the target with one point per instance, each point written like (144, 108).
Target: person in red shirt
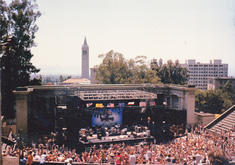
(118, 159)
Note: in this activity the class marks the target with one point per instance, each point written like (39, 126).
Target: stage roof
(115, 95)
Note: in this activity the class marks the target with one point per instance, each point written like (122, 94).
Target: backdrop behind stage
(107, 116)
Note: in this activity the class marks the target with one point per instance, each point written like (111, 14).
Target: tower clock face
(84, 52)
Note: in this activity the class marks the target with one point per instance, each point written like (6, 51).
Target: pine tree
(19, 39)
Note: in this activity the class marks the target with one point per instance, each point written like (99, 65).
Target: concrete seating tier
(223, 123)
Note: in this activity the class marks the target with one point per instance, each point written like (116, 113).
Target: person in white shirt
(148, 154)
(132, 158)
(198, 158)
(36, 157)
(43, 158)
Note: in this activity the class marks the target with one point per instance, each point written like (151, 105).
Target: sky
(169, 29)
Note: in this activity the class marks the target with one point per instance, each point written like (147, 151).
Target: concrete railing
(7, 160)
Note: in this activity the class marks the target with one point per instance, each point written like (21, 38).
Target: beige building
(218, 82)
(200, 72)
(76, 81)
(204, 118)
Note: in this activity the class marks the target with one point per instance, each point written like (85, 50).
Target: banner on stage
(152, 103)
(111, 105)
(142, 104)
(131, 103)
(121, 104)
(99, 105)
(89, 104)
(107, 116)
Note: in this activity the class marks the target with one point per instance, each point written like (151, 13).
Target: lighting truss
(115, 95)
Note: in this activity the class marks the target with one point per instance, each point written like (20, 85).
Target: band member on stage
(149, 122)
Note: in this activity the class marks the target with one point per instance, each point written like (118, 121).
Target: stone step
(222, 127)
(231, 115)
(218, 130)
(226, 122)
(230, 118)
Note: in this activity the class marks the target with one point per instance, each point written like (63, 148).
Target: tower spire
(85, 60)
(85, 43)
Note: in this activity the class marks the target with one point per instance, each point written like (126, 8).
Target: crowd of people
(193, 148)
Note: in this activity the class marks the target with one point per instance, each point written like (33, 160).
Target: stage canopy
(115, 95)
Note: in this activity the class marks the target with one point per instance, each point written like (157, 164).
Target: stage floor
(117, 139)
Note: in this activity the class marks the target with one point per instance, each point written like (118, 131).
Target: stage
(127, 139)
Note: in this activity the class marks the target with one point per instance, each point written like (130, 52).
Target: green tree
(215, 101)
(170, 73)
(141, 72)
(3, 19)
(229, 89)
(200, 100)
(115, 69)
(179, 74)
(209, 101)
(16, 66)
(35, 81)
(228, 95)
(62, 78)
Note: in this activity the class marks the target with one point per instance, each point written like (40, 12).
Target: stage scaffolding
(115, 95)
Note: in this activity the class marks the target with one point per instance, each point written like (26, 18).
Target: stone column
(180, 103)
(22, 111)
(171, 102)
(190, 105)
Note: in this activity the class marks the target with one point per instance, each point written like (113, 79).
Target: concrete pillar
(179, 103)
(171, 102)
(190, 105)
(183, 102)
(22, 111)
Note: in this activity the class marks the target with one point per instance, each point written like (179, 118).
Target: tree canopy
(170, 73)
(215, 101)
(115, 69)
(18, 30)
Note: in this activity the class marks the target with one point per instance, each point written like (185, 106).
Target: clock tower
(85, 60)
